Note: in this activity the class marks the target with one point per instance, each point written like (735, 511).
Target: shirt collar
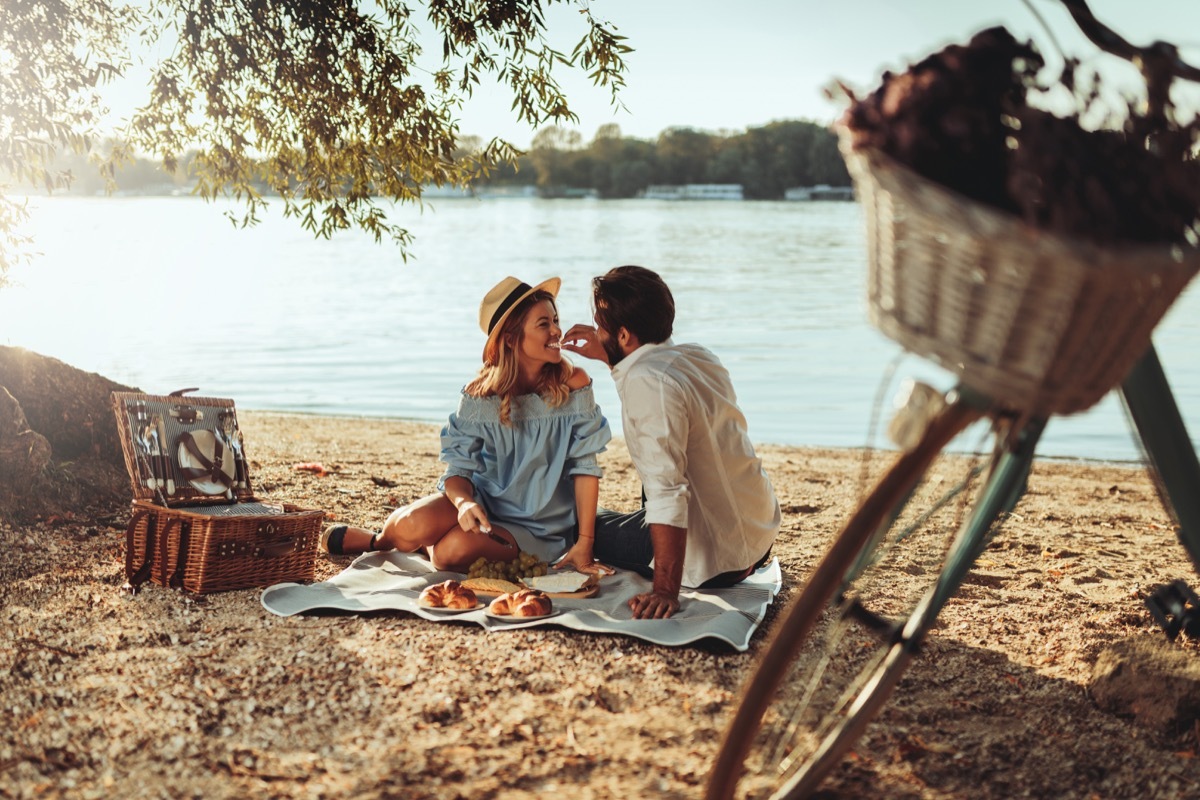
(626, 363)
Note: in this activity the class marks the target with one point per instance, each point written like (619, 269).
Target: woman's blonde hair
(500, 378)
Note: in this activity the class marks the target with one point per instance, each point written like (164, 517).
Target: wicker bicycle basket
(1038, 322)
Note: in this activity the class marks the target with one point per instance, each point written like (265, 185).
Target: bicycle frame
(1170, 455)
(1151, 406)
(855, 695)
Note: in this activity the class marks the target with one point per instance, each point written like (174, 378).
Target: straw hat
(501, 300)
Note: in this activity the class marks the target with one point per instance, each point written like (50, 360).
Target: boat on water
(694, 191)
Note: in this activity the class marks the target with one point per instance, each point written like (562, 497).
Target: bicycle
(842, 645)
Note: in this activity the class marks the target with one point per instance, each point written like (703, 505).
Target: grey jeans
(623, 541)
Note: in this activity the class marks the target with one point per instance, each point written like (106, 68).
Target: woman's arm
(578, 378)
(471, 516)
(587, 495)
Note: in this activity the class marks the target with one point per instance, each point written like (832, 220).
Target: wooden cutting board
(587, 591)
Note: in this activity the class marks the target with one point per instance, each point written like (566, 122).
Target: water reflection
(163, 293)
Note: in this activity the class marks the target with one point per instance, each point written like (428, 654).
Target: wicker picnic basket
(196, 524)
(1039, 322)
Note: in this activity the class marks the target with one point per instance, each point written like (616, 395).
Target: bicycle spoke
(853, 654)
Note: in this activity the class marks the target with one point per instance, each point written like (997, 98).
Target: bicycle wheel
(822, 677)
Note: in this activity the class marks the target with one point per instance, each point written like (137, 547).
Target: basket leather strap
(164, 546)
(136, 577)
(277, 548)
(181, 552)
(273, 548)
(208, 470)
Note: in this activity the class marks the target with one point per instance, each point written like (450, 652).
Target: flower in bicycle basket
(965, 117)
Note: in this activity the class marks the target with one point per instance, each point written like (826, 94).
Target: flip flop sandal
(333, 541)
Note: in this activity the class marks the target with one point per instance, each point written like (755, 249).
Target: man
(709, 515)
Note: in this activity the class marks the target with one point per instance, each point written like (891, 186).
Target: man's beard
(613, 350)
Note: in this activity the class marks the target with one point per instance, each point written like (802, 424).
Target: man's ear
(626, 340)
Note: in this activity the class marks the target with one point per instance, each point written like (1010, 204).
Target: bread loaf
(448, 594)
(523, 603)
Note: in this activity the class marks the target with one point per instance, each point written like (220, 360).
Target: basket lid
(182, 449)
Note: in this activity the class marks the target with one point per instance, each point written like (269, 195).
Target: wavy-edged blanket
(392, 581)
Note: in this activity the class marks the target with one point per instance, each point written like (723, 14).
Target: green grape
(525, 565)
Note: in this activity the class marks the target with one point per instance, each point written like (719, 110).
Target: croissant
(525, 603)
(448, 594)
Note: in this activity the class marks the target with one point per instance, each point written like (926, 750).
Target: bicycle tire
(875, 680)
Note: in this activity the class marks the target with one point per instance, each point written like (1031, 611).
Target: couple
(521, 451)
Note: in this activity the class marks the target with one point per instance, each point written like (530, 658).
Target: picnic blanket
(392, 581)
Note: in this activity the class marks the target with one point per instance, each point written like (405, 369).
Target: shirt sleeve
(589, 435)
(656, 432)
(461, 451)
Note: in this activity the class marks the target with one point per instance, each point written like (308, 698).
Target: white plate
(206, 443)
(511, 618)
(450, 610)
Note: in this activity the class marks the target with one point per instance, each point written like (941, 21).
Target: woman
(520, 452)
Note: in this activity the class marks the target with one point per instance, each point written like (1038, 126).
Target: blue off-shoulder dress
(523, 474)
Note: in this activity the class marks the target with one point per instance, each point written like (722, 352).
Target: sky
(726, 65)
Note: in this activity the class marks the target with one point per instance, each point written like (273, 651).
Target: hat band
(513, 297)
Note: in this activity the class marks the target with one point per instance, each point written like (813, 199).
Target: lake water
(164, 293)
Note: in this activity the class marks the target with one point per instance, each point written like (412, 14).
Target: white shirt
(689, 443)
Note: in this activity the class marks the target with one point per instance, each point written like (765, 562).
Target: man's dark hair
(634, 298)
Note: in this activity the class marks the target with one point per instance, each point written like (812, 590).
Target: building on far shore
(567, 193)
(431, 191)
(694, 191)
(822, 191)
(504, 192)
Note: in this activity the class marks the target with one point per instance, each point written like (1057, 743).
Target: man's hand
(654, 605)
(670, 544)
(585, 340)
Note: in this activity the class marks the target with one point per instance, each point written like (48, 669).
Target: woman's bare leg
(458, 549)
(419, 524)
(431, 523)
(412, 527)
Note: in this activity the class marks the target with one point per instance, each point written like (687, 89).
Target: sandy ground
(164, 695)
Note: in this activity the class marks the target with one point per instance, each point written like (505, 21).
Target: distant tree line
(765, 161)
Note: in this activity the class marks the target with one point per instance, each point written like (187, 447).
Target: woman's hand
(581, 559)
(585, 340)
(472, 518)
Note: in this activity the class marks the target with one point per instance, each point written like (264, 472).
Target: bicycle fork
(1002, 490)
(1168, 449)
(1000, 494)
